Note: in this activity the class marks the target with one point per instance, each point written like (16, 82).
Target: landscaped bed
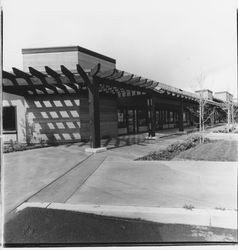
(191, 149)
(174, 149)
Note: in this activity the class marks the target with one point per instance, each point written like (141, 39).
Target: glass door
(131, 121)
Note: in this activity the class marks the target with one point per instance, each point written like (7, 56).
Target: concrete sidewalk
(161, 184)
(208, 188)
(27, 172)
(66, 175)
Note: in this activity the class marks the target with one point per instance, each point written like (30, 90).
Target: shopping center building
(70, 94)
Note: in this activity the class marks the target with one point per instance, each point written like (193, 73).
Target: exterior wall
(206, 93)
(108, 117)
(89, 62)
(19, 103)
(65, 118)
(224, 96)
(54, 117)
(52, 59)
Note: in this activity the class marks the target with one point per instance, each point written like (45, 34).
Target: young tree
(206, 111)
(202, 102)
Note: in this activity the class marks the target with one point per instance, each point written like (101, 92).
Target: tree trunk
(200, 120)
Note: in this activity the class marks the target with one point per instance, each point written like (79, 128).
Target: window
(9, 118)
(184, 116)
(171, 117)
(121, 118)
(141, 117)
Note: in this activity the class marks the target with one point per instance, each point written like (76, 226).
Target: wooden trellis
(96, 82)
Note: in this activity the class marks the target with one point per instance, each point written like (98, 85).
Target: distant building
(224, 96)
(205, 93)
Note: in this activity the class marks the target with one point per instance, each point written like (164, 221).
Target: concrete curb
(95, 150)
(200, 217)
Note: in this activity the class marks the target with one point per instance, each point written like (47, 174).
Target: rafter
(134, 81)
(42, 77)
(118, 74)
(125, 78)
(95, 70)
(107, 73)
(27, 77)
(56, 76)
(71, 78)
(86, 80)
(153, 85)
(10, 77)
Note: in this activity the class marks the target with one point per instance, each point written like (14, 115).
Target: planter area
(174, 149)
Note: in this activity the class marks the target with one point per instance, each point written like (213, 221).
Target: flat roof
(67, 49)
(221, 92)
(202, 90)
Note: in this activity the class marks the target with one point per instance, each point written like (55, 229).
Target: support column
(180, 116)
(151, 116)
(94, 115)
(94, 107)
(213, 117)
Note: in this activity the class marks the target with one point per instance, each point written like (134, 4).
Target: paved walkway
(160, 184)
(158, 191)
(27, 172)
(113, 178)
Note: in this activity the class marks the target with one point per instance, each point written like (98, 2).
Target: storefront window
(121, 118)
(171, 117)
(165, 116)
(184, 116)
(142, 117)
(9, 118)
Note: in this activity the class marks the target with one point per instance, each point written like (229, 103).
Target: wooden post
(181, 128)
(94, 109)
(151, 116)
(94, 115)
(213, 117)
(1, 81)
(228, 116)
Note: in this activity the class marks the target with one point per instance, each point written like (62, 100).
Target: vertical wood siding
(108, 117)
(66, 118)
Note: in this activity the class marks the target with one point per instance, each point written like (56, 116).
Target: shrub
(174, 149)
(220, 208)
(189, 207)
(52, 140)
(18, 147)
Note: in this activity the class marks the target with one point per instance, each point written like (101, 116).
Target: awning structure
(67, 81)
(95, 82)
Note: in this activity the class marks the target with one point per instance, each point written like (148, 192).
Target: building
(70, 94)
(224, 96)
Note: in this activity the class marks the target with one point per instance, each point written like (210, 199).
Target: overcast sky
(171, 41)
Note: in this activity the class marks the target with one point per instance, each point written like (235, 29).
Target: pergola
(95, 81)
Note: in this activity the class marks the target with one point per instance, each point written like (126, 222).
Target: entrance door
(132, 121)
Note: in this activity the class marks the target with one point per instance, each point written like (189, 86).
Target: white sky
(171, 41)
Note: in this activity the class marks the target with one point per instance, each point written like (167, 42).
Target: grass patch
(174, 149)
(219, 150)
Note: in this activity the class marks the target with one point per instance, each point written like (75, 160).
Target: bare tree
(206, 112)
(202, 102)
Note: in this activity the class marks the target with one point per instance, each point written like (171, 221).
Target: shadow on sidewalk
(37, 226)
